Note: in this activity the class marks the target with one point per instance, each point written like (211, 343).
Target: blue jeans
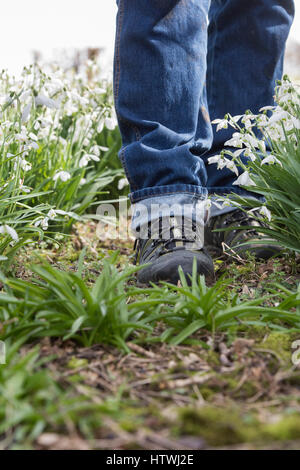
(174, 73)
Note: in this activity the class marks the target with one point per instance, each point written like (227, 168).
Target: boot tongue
(179, 231)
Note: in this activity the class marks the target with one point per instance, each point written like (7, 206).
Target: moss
(286, 429)
(76, 363)
(207, 393)
(213, 358)
(280, 343)
(217, 426)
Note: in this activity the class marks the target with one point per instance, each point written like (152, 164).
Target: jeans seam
(117, 85)
(123, 160)
(117, 53)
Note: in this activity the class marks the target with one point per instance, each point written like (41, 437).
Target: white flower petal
(244, 180)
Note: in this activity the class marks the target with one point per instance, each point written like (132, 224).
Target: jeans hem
(156, 191)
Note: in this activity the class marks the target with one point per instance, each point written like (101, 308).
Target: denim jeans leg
(246, 45)
(159, 76)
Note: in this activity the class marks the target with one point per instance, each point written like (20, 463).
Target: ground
(227, 390)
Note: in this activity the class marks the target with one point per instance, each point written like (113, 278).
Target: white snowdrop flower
(271, 159)
(295, 122)
(31, 145)
(219, 159)
(62, 175)
(278, 115)
(225, 203)
(36, 126)
(247, 121)
(26, 113)
(26, 94)
(266, 108)
(25, 189)
(45, 223)
(83, 162)
(21, 136)
(250, 140)
(94, 157)
(237, 118)
(221, 124)
(103, 149)
(110, 123)
(83, 101)
(51, 214)
(231, 166)
(42, 100)
(82, 181)
(235, 141)
(33, 136)
(214, 159)
(244, 180)
(7, 230)
(96, 150)
(238, 152)
(99, 91)
(265, 212)
(86, 158)
(262, 120)
(248, 153)
(24, 164)
(122, 183)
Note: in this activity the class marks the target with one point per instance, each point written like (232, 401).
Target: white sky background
(46, 25)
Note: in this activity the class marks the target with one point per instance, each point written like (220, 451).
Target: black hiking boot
(229, 241)
(167, 254)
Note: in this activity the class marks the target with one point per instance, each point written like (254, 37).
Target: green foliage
(32, 401)
(194, 306)
(274, 172)
(58, 153)
(60, 304)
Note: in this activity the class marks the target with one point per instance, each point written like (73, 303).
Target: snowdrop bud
(266, 213)
(122, 183)
(7, 230)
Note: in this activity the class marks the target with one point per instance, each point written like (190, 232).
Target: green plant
(60, 304)
(272, 164)
(58, 153)
(194, 306)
